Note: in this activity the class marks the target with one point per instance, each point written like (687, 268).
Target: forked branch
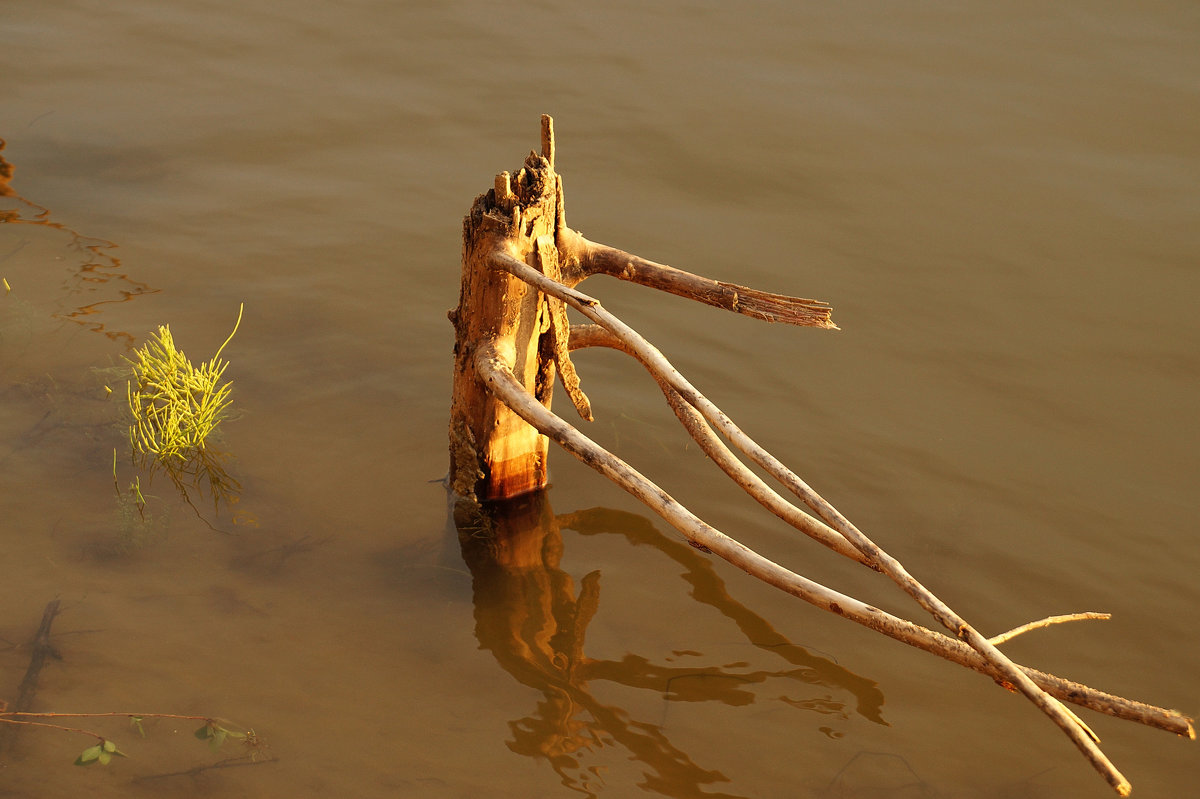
(500, 379)
(1003, 638)
(1000, 665)
(521, 264)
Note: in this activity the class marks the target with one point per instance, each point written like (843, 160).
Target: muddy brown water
(1000, 202)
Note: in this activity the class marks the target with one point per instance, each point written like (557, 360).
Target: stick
(42, 649)
(997, 640)
(501, 380)
(1172, 721)
(655, 361)
(596, 336)
(604, 260)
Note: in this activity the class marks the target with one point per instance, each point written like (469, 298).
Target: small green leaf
(110, 747)
(104, 758)
(89, 755)
(136, 723)
(218, 738)
(205, 732)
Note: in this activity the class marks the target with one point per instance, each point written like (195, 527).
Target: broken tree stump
(521, 264)
(494, 454)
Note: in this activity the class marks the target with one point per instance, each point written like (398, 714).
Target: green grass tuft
(175, 405)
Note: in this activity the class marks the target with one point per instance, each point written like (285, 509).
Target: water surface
(1001, 204)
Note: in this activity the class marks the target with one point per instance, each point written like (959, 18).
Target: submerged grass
(175, 405)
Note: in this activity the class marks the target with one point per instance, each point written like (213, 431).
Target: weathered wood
(495, 454)
(711, 539)
(493, 351)
(600, 259)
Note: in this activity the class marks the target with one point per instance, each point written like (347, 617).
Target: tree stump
(495, 454)
(521, 264)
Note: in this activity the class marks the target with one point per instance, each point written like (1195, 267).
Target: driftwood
(40, 650)
(532, 619)
(521, 264)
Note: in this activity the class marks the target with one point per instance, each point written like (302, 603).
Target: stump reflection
(530, 616)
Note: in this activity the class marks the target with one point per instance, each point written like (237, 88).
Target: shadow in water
(200, 478)
(96, 278)
(530, 617)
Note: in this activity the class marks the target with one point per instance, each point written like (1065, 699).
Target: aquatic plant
(175, 405)
(213, 732)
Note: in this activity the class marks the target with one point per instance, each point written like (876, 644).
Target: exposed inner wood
(521, 264)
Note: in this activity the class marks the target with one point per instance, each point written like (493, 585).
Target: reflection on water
(1024, 176)
(95, 277)
(200, 478)
(530, 617)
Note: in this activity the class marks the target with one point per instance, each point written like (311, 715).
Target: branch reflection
(201, 476)
(96, 268)
(529, 616)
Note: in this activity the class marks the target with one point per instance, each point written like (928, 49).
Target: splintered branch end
(997, 640)
(518, 281)
(780, 308)
(604, 260)
(548, 138)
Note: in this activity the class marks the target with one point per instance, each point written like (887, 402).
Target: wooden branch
(997, 640)
(560, 328)
(42, 649)
(1169, 720)
(512, 339)
(600, 259)
(596, 336)
(500, 380)
(657, 363)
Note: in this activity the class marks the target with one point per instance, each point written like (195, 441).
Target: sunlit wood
(521, 264)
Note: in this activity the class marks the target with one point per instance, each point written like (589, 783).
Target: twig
(1002, 666)
(997, 640)
(500, 380)
(697, 427)
(42, 649)
(195, 771)
(604, 260)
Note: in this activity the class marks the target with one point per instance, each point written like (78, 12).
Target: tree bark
(494, 454)
(521, 264)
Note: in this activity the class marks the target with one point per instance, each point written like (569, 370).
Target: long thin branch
(501, 381)
(596, 336)
(655, 360)
(42, 649)
(601, 259)
(997, 640)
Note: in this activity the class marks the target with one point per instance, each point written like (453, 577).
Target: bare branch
(997, 640)
(560, 328)
(752, 484)
(501, 381)
(604, 260)
(513, 336)
(657, 363)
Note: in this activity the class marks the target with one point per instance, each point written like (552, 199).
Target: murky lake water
(1001, 203)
